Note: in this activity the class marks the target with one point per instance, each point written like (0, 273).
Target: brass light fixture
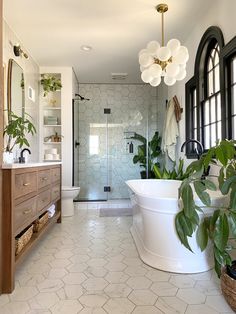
(158, 61)
(18, 51)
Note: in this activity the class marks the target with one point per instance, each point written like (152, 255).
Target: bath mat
(115, 212)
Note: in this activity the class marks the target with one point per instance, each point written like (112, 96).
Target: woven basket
(22, 239)
(228, 287)
(40, 222)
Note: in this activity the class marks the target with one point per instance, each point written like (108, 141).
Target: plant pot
(228, 287)
(8, 158)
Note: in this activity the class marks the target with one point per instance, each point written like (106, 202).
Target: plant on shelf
(50, 83)
(176, 173)
(219, 226)
(16, 130)
(154, 151)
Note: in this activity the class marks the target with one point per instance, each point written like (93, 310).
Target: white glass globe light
(145, 59)
(152, 47)
(169, 80)
(172, 69)
(142, 68)
(156, 81)
(181, 75)
(173, 45)
(142, 51)
(182, 55)
(164, 54)
(155, 70)
(146, 77)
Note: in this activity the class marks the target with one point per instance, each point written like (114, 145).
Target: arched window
(210, 95)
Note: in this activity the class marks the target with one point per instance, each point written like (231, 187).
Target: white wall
(31, 75)
(222, 14)
(66, 119)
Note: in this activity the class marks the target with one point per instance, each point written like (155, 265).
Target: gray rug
(115, 212)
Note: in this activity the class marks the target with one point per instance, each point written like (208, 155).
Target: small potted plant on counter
(219, 226)
(50, 83)
(16, 131)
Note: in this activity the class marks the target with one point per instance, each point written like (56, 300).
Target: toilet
(68, 193)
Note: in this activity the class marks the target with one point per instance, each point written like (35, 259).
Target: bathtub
(155, 204)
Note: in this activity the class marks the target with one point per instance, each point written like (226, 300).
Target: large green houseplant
(220, 226)
(147, 154)
(16, 130)
(50, 83)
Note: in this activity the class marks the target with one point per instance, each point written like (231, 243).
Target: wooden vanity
(28, 191)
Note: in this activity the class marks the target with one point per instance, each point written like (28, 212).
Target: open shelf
(52, 143)
(52, 125)
(35, 237)
(52, 108)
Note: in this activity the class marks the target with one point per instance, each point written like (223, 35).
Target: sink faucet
(201, 148)
(22, 158)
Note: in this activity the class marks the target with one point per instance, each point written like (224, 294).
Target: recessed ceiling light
(86, 48)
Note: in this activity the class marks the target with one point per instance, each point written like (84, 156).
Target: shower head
(81, 97)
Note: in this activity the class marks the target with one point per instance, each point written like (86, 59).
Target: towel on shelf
(170, 131)
(51, 211)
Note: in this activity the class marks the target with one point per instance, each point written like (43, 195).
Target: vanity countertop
(28, 165)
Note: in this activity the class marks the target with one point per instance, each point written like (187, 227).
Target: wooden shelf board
(52, 125)
(51, 143)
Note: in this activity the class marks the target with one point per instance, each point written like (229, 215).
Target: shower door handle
(77, 143)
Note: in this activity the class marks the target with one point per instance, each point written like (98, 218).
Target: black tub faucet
(199, 151)
(22, 158)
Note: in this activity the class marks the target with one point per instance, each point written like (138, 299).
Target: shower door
(90, 151)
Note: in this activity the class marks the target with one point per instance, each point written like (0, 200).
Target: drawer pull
(44, 200)
(44, 178)
(27, 211)
(26, 184)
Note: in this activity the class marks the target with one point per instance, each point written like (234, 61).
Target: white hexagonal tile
(148, 309)
(44, 300)
(57, 273)
(93, 284)
(117, 290)
(74, 279)
(97, 262)
(170, 305)
(66, 307)
(143, 297)
(135, 271)
(93, 300)
(64, 254)
(218, 303)
(164, 289)
(4, 299)
(157, 275)
(119, 306)
(70, 292)
(23, 293)
(60, 263)
(200, 309)
(115, 266)
(191, 296)
(139, 282)
(132, 261)
(208, 287)
(15, 308)
(182, 281)
(95, 271)
(50, 285)
(77, 267)
(116, 277)
(91, 310)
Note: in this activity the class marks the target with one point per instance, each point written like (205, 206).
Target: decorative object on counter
(50, 83)
(154, 151)
(53, 138)
(16, 130)
(158, 61)
(218, 228)
(50, 120)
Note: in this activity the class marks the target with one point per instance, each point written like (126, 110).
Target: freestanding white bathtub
(155, 204)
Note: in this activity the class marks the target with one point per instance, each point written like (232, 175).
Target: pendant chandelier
(158, 61)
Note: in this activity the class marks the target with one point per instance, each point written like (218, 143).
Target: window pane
(234, 127)
(213, 134)
(217, 78)
(234, 99)
(195, 134)
(218, 126)
(213, 109)
(216, 58)
(210, 83)
(206, 112)
(195, 117)
(234, 70)
(209, 65)
(207, 137)
(218, 108)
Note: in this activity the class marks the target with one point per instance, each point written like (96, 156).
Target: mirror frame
(9, 87)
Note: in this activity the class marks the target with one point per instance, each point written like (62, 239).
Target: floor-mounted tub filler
(155, 204)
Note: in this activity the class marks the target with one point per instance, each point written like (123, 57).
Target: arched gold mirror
(15, 88)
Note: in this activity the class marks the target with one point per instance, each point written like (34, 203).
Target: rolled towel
(51, 211)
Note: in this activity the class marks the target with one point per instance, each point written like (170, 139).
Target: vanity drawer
(25, 183)
(24, 213)
(55, 174)
(55, 192)
(44, 199)
(44, 178)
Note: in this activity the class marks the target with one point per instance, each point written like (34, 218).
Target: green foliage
(221, 224)
(50, 83)
(17, 129)
(173, 174)
(154, 151)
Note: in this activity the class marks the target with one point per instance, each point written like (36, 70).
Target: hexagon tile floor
(90, 265)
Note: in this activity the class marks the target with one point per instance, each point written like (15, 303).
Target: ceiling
(53, 32)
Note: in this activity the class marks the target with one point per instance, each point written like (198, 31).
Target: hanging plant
(50, 83)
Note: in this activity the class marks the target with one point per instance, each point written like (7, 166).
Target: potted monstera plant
(16, 130)
(219, 228)
(50, 83)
